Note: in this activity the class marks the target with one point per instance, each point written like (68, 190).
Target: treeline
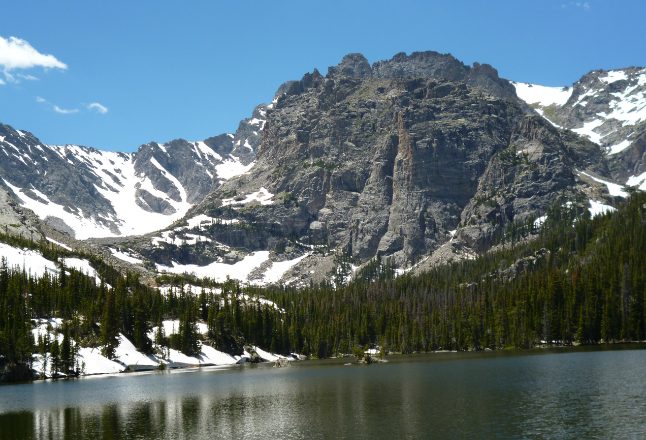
(582, 281)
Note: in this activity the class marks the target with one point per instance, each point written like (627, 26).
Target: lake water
(538, 395)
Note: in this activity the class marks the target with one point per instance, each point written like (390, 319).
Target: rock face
(419, 159)
(91, 193)
(16, 220)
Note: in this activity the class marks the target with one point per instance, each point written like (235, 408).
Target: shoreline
(606, 346)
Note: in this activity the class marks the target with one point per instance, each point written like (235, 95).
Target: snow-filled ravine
(90, 360)
(119, 183)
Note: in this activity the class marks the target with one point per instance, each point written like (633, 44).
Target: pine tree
(109, 326)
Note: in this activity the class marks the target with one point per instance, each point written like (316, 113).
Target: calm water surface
(560, 395)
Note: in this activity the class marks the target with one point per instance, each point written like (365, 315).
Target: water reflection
(573, 395)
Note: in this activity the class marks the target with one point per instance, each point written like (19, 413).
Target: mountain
(420, 159)
(606, 106)
(89, 193)
(416, 160)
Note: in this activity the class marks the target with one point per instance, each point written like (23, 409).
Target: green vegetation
(586, 284)
(581, 280)
(94, 315)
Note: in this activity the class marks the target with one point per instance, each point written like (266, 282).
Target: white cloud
(64, 111)
(16, 53)
(97, 107)
(40, 100)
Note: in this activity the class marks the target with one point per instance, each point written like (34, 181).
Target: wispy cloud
(581, 5)
(91, 107)
(27, 77)
(64, 111)
(18, 54)
(56, 108)
(97, 107)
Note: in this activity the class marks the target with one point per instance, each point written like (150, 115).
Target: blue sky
(122, 73)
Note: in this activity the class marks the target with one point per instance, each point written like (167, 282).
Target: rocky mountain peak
(428, 64)
(417, 158)
(353, 65)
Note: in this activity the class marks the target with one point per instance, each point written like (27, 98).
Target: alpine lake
(580, 393)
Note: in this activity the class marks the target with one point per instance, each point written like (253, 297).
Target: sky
(116, 74)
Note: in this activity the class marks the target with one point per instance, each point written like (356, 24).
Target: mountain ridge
(420, 159)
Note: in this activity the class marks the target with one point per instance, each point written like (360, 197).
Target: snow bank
(265, 355)
(588, 130)
(31, 261)
(127, 354)
(180, 239)
(83, 226)
(91, 361)
(210, 355)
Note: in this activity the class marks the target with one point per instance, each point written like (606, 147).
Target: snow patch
(82, 266)
(127, 354)
(232, 167)
(613, 188)
(31, 261)
(638, 181)
(614, 76)
(278, 269)
(124, 256)
(265, 355)
(221, 271)
(58, 243)
(618, 148)
(204, 220)
(93, 362)
(539, 221)
(542, 95)
(598, 208)
(262, 196)
(588, 130)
